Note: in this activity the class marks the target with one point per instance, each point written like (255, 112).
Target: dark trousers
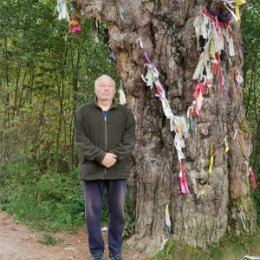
(93, 191)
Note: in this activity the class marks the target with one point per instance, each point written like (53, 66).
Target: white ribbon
(230, 43)
(230, 4)
(179, 144)
(251, 257)
(235, 134)
(239, 79)
(122, 98)
(121, 12)
(243, 219)
(204, 62)
(139, 42)
(167, 219)
(62, 10)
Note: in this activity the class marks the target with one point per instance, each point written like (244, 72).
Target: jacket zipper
(105, 119)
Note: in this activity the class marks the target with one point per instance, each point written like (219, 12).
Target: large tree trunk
(217, 202)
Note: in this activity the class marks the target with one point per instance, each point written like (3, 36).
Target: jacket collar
(114, 104)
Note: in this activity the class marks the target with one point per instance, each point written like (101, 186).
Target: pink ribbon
(252, 174)
(184, 185)
(198, 93)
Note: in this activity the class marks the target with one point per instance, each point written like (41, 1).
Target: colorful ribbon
(177, 123)
(226, 144)
(183, 181)
(252, 174)
(198, 94)
(234, 4)
(211, 161)
(230, 5)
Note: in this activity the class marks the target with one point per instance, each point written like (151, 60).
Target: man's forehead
(106, 81)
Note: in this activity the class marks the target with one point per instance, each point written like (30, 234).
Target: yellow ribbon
(238, 4)
(179, 127)
(226, 144)
(204, 190)
(227, 148)
(211, 161)
(212, 49)
(237, 13)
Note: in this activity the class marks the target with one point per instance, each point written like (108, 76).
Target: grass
(229, 248)
(48, 202)
(47, 239)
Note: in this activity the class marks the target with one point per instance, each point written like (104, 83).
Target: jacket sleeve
(126, 146)
(85, 147)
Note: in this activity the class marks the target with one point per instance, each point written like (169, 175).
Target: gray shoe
(115, 257)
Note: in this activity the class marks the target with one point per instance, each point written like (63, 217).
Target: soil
(18, 242)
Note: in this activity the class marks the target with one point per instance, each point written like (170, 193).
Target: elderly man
(105, 138)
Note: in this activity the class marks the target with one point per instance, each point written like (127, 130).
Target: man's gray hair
(104, 77)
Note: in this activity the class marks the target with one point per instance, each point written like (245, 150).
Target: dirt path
(17, 242)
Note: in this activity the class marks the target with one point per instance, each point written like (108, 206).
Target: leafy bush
(49, 201)
(46, 201)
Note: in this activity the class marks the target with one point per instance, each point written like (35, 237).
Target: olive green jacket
(94, 136)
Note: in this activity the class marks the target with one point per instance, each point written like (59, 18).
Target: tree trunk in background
(218, 202)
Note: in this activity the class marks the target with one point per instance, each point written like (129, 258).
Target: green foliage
(129, 217)
(176, 251)
(231, 248)
(251, 39)
(256, 197)
(45, 73)
(49, 201)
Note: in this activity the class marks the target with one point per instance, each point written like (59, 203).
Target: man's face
(105, 90)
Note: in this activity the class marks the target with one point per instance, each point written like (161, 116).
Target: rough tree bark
(217, 203)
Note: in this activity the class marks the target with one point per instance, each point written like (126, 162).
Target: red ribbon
(215, 67)
(214, 20)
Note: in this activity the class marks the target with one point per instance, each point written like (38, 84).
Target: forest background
(45, 73)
